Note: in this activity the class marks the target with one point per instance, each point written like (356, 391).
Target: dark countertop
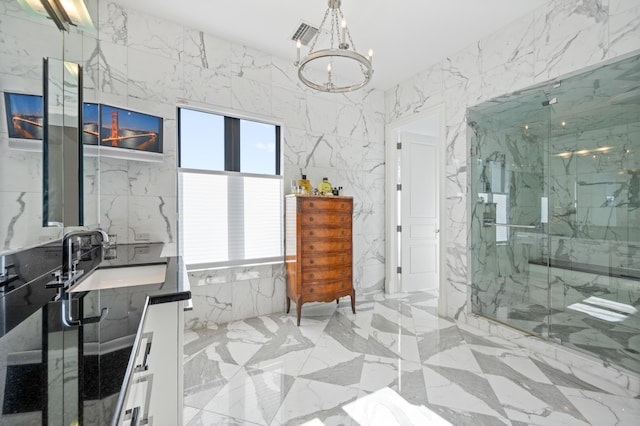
(34, 376)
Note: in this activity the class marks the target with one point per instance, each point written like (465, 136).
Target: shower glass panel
(555, 210)
(509, 243)
(594, 213)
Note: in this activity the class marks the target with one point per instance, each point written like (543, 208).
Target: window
(230, 190)
(201, 140)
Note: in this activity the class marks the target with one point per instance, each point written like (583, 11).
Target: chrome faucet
(72, 251)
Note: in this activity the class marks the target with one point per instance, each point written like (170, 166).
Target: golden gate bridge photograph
(24, 115)
(120, 128)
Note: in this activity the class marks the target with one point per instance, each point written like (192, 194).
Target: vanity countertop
(32, 333)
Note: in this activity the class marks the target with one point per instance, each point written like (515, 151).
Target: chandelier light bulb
(370, 55)
(344, 30)
(329, 67)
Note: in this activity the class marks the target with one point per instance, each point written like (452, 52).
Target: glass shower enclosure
(555, 211)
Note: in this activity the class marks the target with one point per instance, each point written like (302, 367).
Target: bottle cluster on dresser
(303, 187)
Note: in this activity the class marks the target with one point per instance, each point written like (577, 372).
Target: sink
(127, 276)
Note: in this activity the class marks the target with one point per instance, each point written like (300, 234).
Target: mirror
(62, 195)
(26, 40)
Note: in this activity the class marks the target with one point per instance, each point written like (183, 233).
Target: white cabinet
(154, 391)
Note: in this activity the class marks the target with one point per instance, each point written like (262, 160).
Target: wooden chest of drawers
(318, 249)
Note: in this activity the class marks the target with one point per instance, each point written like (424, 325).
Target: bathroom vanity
(113, 358)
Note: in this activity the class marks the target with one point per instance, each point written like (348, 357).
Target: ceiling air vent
(305, 33)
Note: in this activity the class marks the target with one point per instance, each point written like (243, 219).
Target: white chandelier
(334, 69)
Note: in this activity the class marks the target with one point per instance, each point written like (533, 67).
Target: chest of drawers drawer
(315, 232)
(326, 219)
(325, 205)
(332, 259)
(323, 273)
(322, 246)
(324, 291)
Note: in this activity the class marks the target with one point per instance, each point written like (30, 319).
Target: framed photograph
(121, 128)
(24, 116)
(90, 123)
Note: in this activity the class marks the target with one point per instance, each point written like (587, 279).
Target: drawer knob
(312, 261)
(310, 204)
(342, 245)
(343, 232)
(343, 258)
(342, 219)
(344, 272)
(311, 232)
(342, 285)
(311, 247)
(311, 219)
(311, 275)
(342, 206)
(311, 290)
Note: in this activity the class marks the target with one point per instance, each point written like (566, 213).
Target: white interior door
(419, 212)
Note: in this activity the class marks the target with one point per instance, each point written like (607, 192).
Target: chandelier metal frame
(345, 49)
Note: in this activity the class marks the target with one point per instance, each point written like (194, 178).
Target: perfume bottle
(305, 184)
(325, 187)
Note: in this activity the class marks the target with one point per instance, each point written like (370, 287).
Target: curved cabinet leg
(298, 310)
(288, 304)
(353, 301)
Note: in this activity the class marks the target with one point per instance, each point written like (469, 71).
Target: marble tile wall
(147, 64)
(560, 37)
(229, 294)
(340, 137)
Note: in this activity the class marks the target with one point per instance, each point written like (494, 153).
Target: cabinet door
(155, 387)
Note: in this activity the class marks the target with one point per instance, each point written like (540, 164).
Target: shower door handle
(508, 225)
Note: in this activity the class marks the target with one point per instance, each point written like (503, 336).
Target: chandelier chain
(333, 19)
(348, 37)
(315, 39)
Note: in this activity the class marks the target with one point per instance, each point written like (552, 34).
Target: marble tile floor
(338, 368)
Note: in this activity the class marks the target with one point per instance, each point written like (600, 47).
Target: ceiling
(406, 36)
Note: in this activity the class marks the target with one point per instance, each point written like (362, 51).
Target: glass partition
(555, 235)
(62, 145)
